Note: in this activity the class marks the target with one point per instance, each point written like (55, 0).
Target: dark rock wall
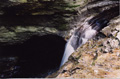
(41, 17)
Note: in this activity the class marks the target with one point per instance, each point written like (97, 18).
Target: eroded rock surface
(21, 18)
(99, 57)
(20, 21)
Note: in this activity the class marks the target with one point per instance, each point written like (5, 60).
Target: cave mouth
(36, 57)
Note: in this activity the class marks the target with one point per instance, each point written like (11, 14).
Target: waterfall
(87, 29)
(81, 36)
(68, 51)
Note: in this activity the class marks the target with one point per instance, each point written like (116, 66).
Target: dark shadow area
(36, 57)
(106, 15)
(56, 21)
(52, 13)
(26, 20)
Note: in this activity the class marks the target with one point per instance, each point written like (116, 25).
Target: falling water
(78, 38)
(88, 30)
(68, 51)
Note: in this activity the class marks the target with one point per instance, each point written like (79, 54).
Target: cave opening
(35, 57)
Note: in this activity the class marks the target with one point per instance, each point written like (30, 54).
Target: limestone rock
(95, 59)
(98, 58)
(21, 19)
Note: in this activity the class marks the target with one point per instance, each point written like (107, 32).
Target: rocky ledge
(98, 58)
(20, 19)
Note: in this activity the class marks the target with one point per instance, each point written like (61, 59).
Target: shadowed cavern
(34, 57)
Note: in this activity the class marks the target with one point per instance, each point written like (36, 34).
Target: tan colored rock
(95, 59)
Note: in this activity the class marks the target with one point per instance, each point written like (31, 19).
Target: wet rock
(21, 18)
(98, 58)
(93, 62)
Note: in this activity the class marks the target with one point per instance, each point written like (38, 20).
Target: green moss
(22, 1)
(93, 63)
(63, 27)
(73, 6)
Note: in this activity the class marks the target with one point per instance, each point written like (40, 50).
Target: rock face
(31, 35)
(35, 57)
(21, 18)
(99, 57)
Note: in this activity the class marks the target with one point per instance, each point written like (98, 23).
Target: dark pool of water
(36, 57)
